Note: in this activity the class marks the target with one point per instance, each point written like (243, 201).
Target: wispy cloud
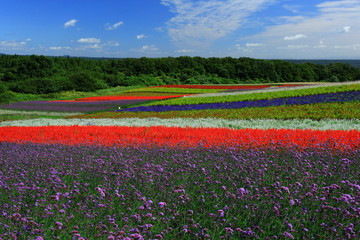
(346, 29)
(332, 22)
(114, 26)
(295, 37)
(141, 36)
(12, 44)
(89, 40)
(59, 48)
(146, 48)
(199, 22)
(292, 8)
(254, 45)
(70, 23)
(185, 51)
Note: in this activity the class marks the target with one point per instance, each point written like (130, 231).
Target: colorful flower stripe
(176, 90)
(310, 99)
(243, 87)
(344, 110)
(114, 98)
(72, 106)
(326, 124)
(183, 137)
(267, 93)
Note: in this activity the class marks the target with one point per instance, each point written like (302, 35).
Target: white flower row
(195, 122)
(272, 89)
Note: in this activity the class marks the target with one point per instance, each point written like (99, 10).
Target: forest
(37, 74)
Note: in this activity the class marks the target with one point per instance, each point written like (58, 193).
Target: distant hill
(353, 62)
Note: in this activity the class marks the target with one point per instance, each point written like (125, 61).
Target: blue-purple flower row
(311, 99)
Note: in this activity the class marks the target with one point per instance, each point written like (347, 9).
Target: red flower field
(184, 137)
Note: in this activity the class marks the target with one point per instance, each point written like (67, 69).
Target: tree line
(41, 75)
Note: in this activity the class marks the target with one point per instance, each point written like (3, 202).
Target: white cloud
(70, 23)
(141, 36)
(184, 51)
(327, 24)
(89, 40)
(59, 48)
(113, 26)
(346, 29)
(149, 48)
(294, 47)
(295, 37)
(336, 6)
(254, 44)
(353, 47)
(146, 48)
(292, 8)
(199, 22)
(12, 44)
(112, 44)
(94, 46)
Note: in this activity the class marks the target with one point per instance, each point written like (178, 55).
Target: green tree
(83, 81)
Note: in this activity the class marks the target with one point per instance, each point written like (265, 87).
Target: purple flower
(162, 204)
(310, 99)
(221, 213)
(288, 235)
(101, 191)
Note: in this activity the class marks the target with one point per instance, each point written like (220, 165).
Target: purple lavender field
(71, 106)
(90, 192)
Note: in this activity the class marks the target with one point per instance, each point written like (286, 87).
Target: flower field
(280, 165)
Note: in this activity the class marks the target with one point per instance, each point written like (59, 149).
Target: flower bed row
(71, 106)
(114, 98)
(310, 99)
(344, 110)
(183, 137)
(176, 90)
(326, 124)
(240, 87)
(92, 192)
(245, 96)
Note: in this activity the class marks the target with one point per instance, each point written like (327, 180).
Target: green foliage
(3, 87)
(42, 85)
(83, 81)
(5, 95)
(92, 74)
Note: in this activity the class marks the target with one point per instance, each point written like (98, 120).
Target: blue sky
(268, 29)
